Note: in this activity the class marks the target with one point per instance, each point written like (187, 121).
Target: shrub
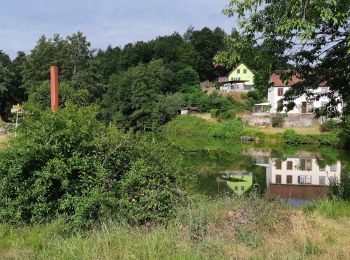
(330, 125)
(187, 126)
(277, 120)
(214, 113)
(291, 137)
(68, 164)
(330, 139)
(231, 114)
(228, 129)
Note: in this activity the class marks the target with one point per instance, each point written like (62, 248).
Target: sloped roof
(302, 192)
(237, 68)
(278, 82)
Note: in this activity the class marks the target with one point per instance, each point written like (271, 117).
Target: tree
(74, 58)
(207, 43)
(11, 90)
(133, 97)
(313, 36)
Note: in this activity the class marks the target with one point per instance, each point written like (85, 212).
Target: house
(240, 79)
(300, 177)
(237, 181)
(302, 104)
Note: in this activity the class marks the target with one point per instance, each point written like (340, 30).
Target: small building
(188, 111)
(240, 79)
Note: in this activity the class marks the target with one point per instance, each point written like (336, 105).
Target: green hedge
(329, 139)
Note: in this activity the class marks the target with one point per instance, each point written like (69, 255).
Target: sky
(104, 22)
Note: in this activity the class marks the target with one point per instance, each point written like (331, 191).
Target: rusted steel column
(54, 88)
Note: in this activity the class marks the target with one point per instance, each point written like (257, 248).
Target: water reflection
(297, 178)
(300, 177)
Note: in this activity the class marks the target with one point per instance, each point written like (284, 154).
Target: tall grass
(334, 209)
(222, 228)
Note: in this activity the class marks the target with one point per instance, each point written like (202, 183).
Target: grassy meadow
(226, 228)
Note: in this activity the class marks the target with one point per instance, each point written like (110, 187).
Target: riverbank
(219, 228)
(235, 130)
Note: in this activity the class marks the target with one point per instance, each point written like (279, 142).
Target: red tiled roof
(297, 191)
(277, 81)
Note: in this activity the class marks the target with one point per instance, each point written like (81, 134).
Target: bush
(291, 137)
(277, 120)
(187, 126)
(330, 125)
(68, 164)
(231, 114)
(214, 113)
(228, 129)
(345, 133)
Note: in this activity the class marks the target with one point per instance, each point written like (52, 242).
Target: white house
(302, 171)
(302, 104)
(300, 177)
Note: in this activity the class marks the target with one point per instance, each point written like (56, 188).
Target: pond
(291, 175)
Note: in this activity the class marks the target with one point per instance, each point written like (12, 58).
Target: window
(322, 180)
(236, 79)
(324, 89)
(321, 165)
(238, 71)
(244, 71)
(280, 105)
(278, 164)
(308, 165)
(333, 180)
(280, 92)
(305, 164)
(304, 179)
(278, 179)
(310, 107)
(289, 179)
(289, 165)
(333, 168)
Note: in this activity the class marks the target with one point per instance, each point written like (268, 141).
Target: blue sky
(104, 22)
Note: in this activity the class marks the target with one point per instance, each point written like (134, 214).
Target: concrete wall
(289, 121)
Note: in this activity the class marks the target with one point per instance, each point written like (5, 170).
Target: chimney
(54, 88)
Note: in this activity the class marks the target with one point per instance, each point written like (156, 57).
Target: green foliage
(297, 32)
(11, 91)
(187, 126)
(187, 76)
(135, 98)
(345, 132)
(334, 209)
(329, 139)
(197, 127)
(228, 129)
(330, 125)
(214, 113)
(278, 120)
(68, 164)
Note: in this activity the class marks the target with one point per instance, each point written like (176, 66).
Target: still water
(294, 176)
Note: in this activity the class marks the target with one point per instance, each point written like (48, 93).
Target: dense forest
(139, 86)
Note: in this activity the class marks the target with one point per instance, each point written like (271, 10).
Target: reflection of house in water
(301, 177)
(237, 181)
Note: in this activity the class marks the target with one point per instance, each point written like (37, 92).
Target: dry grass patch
(311, 130)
